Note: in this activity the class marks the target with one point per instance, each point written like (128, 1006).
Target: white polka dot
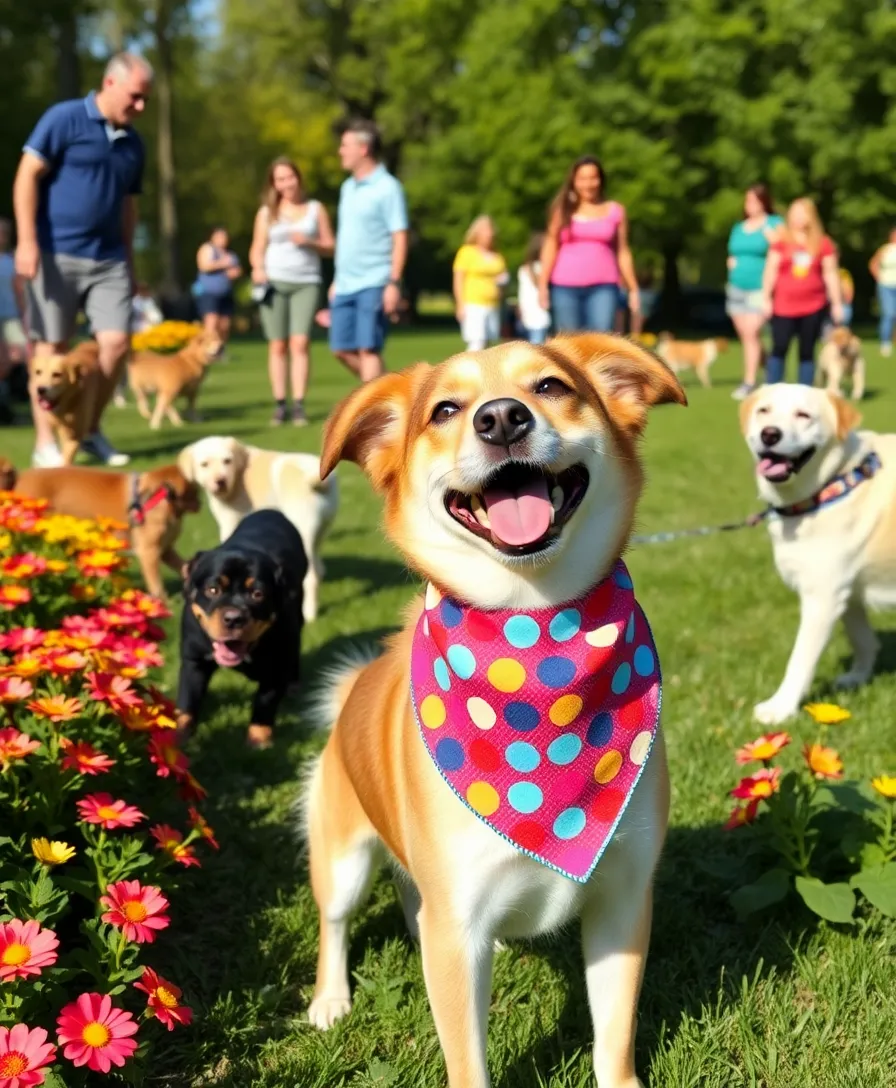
(603, 636)
(481, 713)
(433, 597)
(640, 747)
(426, 626)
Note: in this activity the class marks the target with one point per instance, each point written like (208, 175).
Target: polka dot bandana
(541, 722)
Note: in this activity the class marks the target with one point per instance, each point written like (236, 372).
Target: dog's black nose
(41, 390)
(503, 422)
(770, 436)
(232, 618)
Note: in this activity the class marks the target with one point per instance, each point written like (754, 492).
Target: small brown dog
(7, 474)
(696, 355)
(65, 387)
(152, 503)
(171, 376)
(841, 357)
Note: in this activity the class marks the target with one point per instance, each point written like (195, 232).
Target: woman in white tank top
(290, 236)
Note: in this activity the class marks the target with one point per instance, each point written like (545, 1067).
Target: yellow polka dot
(603, 636)
(483, 798)
(432, 596)
(565, 710)
(640, 747)
(432, 712)
(608, 766)
(506, 675)
(481, 714)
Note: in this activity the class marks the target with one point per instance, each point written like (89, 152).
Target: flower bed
(97, 806)
(165, 337)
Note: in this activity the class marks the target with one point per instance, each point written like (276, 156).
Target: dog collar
(138, 508)
(839, 487)
(541, 722)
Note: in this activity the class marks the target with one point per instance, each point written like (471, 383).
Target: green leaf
(833, 902)
(770, 888)
(871, 856)
(878, 885)
(847, 795)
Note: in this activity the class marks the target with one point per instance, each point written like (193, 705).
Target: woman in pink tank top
(586, 254)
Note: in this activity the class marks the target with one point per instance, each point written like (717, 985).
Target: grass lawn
(784, 1003)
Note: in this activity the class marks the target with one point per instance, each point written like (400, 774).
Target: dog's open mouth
(779, 467)
(230, 653)
(521, 508)
(44, 401)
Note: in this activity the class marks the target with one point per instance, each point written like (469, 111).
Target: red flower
(15, 745)
(106, 687)
(136, 909)
(759, 786)
(171, 841)
(100, 808)
(23, 566)
(84, 758)
(22, 638)
(96, 1033)
(25, 949)
(164, 999)
(191, 789)
(24, 1052)
(743, 814)
(198, 821)
(168, 758)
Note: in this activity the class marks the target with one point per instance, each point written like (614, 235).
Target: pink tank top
(587, 253)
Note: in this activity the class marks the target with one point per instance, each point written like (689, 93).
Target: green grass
(784, 1001)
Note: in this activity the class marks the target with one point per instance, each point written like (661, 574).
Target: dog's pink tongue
(773, 470)
(224, 656)
(520, 517)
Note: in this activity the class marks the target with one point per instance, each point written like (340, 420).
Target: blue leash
(705, 530)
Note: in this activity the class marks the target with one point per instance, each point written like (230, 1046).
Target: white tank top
(886, 275)
(283, 259)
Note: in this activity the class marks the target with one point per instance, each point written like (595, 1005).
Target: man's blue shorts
(358, 321)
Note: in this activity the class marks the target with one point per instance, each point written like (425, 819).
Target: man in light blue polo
(371, 250)
(75, 199)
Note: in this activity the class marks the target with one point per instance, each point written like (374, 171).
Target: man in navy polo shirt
(75, 203)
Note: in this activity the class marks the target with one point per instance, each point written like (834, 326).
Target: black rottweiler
(243, 610)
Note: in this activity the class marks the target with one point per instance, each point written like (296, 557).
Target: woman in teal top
(747, 249)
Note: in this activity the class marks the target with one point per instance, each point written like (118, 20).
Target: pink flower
(136, 909)
(15, 745)
(168, 758)
(164, 999)
(84, 758)
(25, 949)
(13, 689)
(24, 1052)
(96, 1033)
(171, 841)
(100, 808)
(22, 638)
(106, 687)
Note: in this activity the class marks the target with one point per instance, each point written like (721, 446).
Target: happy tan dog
(65, 387)
(834, 537)
(510, 478)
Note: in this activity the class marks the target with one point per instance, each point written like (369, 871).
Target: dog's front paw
(852, 679)
(774, 711)
(323, 1012)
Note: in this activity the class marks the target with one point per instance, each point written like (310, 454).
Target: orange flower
(15, 745)
(171, 841)
(98, 562)
(759, 786)
(823, 762)
(763, 749)
(84, 758)
(65, 664)
(12, 596)
(198, 821)
(743, 814)
(26, 666)
(13, 690)
(56, 566)
(56, 707)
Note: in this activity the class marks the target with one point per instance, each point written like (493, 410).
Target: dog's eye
(552, 387)
(803, 415)
(203, 464)
(443, 411)
(212, 591)
(227, 461)
(763, 410)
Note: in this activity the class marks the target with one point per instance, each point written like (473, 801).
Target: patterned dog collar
(836, 489)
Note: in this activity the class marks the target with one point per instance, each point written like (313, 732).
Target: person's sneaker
(743, 391)
(885, 349)
(98, 446)
(46, 457)
(298, 414)
(281, 415)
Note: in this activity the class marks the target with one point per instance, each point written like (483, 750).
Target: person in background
(371, 252)
(219, 268)
(800, 284)
(748, 245)
(12, 335)
(847, 294)
(75, 198)
(534, 318)
(586, 254)
(480, 274)
(883, 268)
(291, 234)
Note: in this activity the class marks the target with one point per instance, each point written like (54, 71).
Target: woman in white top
(883, 268)
(534, 318)
(291, 235)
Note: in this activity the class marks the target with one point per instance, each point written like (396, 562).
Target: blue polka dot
(525, 796)
(556, 672)
(564, 749)
(569, 823)
(521, 632)
(461, 661)
(522, 757)
(451, 615)
(630, 628)
(621, 678)
(622, 579)
(643, 661)
(600, 730)
(565, 625)
(441, 671)
(523, 717)
(449, 754)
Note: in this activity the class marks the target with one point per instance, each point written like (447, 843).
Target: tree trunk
(671, 295)
(165, 151)
(69, 65)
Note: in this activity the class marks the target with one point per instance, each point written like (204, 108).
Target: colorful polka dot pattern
(541, 721)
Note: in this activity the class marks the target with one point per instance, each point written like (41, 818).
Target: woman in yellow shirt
(479, 275)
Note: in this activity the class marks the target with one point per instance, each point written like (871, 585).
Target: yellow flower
(52, 852)
(885, 785)
(827, 713)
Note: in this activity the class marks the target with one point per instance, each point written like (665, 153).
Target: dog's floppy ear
(189, 566)
(848, 416)
(185, 463)
(746, 410)
(370, 425)
(629, 378)
(240, 455)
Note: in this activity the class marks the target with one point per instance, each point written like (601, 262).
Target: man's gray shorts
(63, 285)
